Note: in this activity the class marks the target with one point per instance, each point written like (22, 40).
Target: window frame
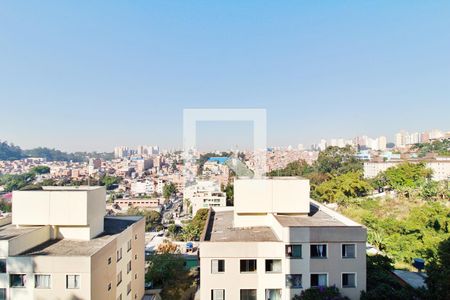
(241, 290)
(318, 257)
(292, 256)
(6, 265)
(318, 273)
(212, 294)
(119, 257)
(117, 278)
(24, 280)
(355, 283)
(67, 282)
(273, 259)
(294, 287)
(342, 251)
(42, 274)
(256, 266)
(218, 266)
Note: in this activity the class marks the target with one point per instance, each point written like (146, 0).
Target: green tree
(152, 218)
(337, 160)
(342, 187)
(406, 177)
(438, 272)
(10, 152)
(192, 230)
(40, 170)
(322, 293)
(164, 268)
(295, 168)
(109, 181)
(169, 190)
(381, 283)
(229, 191)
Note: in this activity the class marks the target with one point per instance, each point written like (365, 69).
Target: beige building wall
(27, 240)
(278, 195)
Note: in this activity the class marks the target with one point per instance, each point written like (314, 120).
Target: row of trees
(335, 176)
(27, 181)
(12, 152)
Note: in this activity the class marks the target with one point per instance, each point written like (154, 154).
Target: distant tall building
(121, 151)
(382, 142)
(400, 139)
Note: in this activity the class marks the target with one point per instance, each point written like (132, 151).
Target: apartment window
(217, 294)
(217, 266)
(318, 280)
(129, 246)
(128, 288)
(72, 281)
(129, 267)
(135, 236)
(135, 256)
(248, 294)
(3, 265)
(2, 294)
(319, 251)
(120, 297)
(135, 276)
(17, 280)
(248, 265)
(42, 281)
(119, 277)
(348, 251)
(119, 254)
(109, 260)
(273, 265)
(273, 294)
(294, 281)
(348, 280)
(109, 286)
(294, 251)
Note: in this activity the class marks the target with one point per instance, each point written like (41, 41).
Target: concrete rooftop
(220, 229)
(316, 218)
(67, 247)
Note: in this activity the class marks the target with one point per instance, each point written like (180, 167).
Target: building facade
(276, 242)
(60, 245)
(204, 194)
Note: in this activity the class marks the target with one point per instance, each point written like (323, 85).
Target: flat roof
(10, 231)
(220, 229)
(67, 247)
(71, 188)
(316, 218)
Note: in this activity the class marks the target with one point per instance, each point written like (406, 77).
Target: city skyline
(320, 71)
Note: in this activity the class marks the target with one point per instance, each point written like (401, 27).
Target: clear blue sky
(79, 75)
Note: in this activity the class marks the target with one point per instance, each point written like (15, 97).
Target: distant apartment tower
(277, 242)
(61, 245)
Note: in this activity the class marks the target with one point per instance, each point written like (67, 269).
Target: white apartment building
(440, 167)
(204, 194)
(145, 187)
(276, 242)
(60, 245)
